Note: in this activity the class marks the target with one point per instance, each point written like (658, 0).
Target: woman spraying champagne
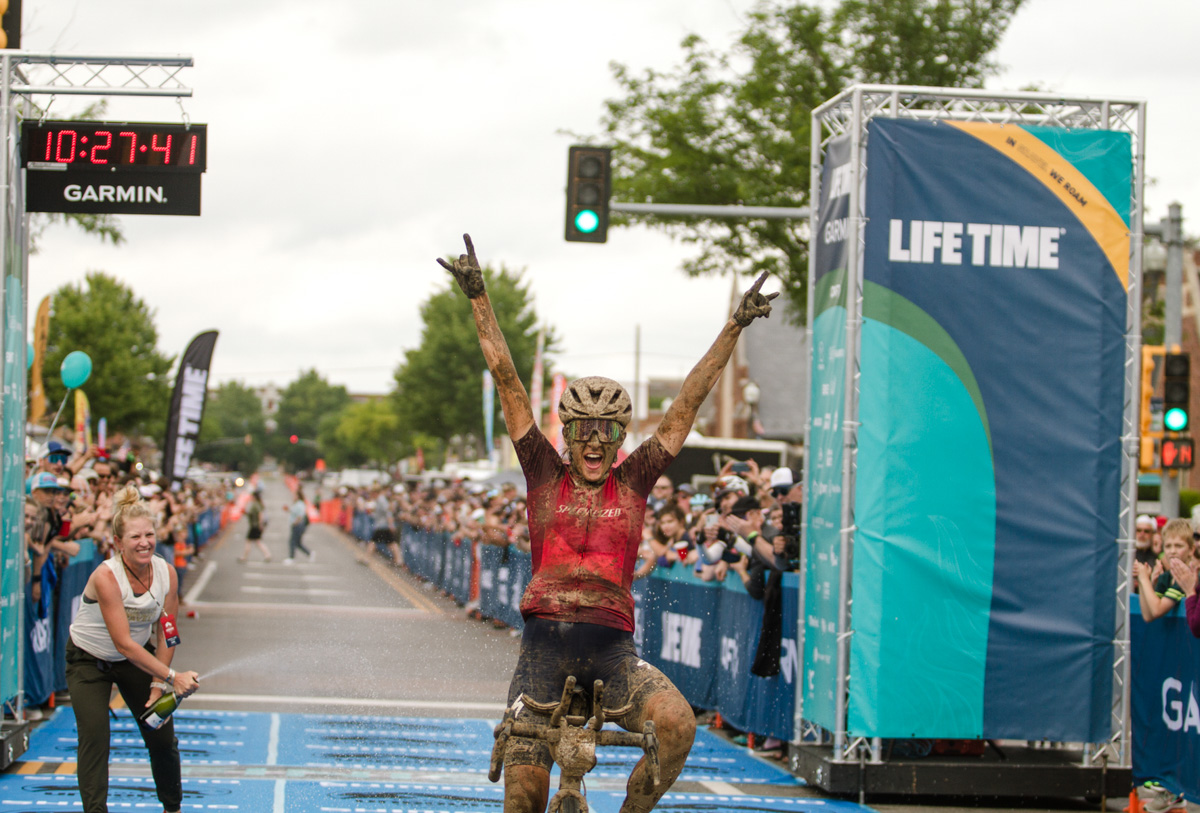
(128, 600)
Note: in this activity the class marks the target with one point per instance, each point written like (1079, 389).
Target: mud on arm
(676, 424)
(514, 400)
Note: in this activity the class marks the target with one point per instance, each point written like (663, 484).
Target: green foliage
(303, 406)
(439, 386)
(1188, 499)
(129, 384)
(232, 414)
(366, 433)
(734, 128)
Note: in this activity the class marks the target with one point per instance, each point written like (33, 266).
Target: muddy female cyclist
(585, 526)
(130, 599)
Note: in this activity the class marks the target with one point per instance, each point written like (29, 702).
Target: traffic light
(11, 36)
(294, 439)
(1178, 453)
(589, 184)
(1177, 373)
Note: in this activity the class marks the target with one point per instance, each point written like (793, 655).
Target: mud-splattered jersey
(585, 540)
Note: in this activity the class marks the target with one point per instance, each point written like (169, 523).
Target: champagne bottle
(161, 711)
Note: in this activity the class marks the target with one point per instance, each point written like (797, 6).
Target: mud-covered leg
(526, 789)
(675, 726)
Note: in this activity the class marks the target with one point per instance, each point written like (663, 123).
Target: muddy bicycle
(572, 736)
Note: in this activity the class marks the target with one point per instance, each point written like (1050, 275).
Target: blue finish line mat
(291, 762)
(465, 746)
(19, 794)
(435, 745)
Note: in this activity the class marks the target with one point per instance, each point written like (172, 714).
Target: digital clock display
(114, 146)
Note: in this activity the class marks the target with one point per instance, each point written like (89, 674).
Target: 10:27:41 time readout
(120, 148)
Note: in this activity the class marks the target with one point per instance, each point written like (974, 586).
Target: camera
(791, 534)
(739, 468)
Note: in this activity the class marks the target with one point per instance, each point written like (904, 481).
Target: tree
(366, 433)
(233, 416)
(302, 406)
(726, 128)
(439, 386)
(129, 384)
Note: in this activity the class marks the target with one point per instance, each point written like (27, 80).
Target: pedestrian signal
(1177, 374)
(1177, 453)
(589, 184)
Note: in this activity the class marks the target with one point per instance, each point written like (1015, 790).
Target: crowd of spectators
(69, 498)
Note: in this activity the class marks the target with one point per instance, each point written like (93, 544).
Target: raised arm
(676, 424)
(514, 400)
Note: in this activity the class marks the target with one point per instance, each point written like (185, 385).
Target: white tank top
(89, 631)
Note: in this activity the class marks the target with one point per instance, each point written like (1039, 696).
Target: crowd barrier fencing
(1165, 695)
(702, 635)
(48, 622)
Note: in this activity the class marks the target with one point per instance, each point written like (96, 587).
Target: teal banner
(12, 481)
(990, 409)
(823, 490)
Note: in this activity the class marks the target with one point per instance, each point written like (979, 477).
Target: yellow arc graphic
(1061, 177)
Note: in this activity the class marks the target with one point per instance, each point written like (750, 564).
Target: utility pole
(1172, 232)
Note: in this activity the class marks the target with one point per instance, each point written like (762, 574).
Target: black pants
(90, 681)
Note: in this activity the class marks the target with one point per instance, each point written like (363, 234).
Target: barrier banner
(1165, 702)
(704, 635)
(823, 491)
(503, 576)
(68, 595)
(187, 408)
(1001, 290)
(457, 576)
(39, 660)
(679, 632)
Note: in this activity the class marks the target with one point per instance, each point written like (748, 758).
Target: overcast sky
(350, 144)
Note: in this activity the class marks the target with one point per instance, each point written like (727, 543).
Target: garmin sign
(106, 167)
(99, 192)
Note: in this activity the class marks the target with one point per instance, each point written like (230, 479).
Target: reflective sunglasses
(582, 429)
(57, 458)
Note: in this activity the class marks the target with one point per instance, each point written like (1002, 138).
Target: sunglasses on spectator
(57, 458)
(1195, 537)
(582, 429)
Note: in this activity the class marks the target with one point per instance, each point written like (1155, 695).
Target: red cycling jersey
(585, 540)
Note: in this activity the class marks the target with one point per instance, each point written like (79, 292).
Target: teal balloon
(76, 368)
(28, 355)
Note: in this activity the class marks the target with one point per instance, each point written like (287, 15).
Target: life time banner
(823, 496)
(187, 407)
(987, 489)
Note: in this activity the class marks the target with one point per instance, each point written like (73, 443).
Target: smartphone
(711, 520)
(740, 468)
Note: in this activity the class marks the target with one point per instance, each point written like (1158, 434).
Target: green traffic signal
(1175, 419)
(587, 221)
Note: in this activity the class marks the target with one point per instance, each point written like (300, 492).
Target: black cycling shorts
(553, 650)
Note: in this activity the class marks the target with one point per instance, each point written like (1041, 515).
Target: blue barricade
(503, 575)
(39, 652)
(67, 597)
(1165, 665)
(456, 575)
(702, 635)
